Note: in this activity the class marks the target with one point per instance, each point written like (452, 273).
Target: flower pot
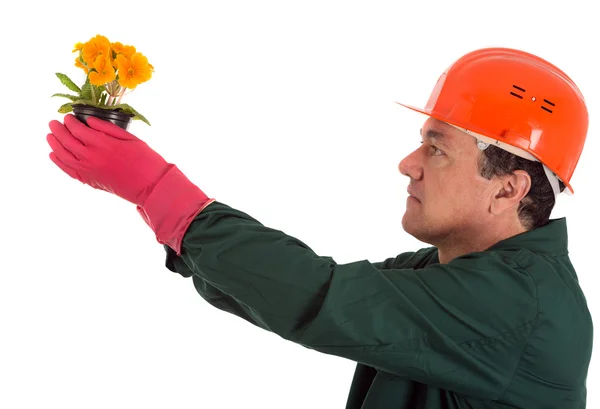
(116, 116)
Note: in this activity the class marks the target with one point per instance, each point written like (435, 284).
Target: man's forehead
(441, 131)
(437, 125)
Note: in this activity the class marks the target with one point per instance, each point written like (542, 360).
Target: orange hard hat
(516, 101)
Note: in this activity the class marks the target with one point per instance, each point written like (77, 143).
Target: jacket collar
(551, 238)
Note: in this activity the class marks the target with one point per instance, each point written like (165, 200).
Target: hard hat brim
(568, 188)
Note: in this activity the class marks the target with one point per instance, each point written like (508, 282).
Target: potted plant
(112, 70)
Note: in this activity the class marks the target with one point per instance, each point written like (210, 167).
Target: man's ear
(511, 190)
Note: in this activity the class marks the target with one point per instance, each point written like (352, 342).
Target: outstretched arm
(460, 326)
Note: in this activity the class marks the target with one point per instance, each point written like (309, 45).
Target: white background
(284, 110)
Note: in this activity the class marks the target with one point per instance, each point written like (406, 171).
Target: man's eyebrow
(436, 136)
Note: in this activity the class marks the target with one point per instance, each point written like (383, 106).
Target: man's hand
(106, 157)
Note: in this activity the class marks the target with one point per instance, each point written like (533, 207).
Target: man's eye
(435, 151)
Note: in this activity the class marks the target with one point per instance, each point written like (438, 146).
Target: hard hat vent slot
(549, 103)
(515, 94)
(533, 99)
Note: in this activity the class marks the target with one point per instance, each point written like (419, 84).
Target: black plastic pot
(116, 116)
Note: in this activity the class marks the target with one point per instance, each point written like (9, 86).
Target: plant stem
(121, 96)
(110, 88)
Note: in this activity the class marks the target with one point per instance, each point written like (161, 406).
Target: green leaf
(71, 97)
(83, 102)
(66, 108)
(100, 93)
(86, 91)
(130, 110)
(68, 83)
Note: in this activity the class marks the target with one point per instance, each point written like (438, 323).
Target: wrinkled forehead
(443, 132)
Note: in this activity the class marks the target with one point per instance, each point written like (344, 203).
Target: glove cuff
(172, 206)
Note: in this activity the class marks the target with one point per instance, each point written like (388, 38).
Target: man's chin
(412, 227)
(409, 225)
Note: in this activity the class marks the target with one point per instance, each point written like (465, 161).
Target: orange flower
(133, 71)
(81, 65)
(126, 50)
(104, 73)
(97, 46)
(78, 47)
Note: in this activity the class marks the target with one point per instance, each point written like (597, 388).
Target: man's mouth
(412, 195)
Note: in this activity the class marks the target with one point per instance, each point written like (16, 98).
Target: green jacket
(505, 328)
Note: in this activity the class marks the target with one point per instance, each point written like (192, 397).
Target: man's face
(449, 199)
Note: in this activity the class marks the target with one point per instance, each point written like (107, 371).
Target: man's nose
(411, 166)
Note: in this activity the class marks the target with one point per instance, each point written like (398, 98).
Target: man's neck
(468, 242)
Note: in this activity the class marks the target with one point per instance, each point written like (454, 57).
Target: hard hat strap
(553, 180)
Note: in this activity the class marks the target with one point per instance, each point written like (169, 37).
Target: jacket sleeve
(460, 326)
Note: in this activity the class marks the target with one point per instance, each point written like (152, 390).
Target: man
(490, 316)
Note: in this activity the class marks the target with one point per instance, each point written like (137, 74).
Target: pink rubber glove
(107, 157)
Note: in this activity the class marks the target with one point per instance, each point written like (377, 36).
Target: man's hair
(535, 208)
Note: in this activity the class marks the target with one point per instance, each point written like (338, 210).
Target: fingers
(69, 171)
(109, 128)
(80, 131)
(66, 139)
(60, 152)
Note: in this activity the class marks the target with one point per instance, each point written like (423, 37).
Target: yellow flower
(78, 47)
(104, 73)
(126, 50)
(97, 46)
(133, 71)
